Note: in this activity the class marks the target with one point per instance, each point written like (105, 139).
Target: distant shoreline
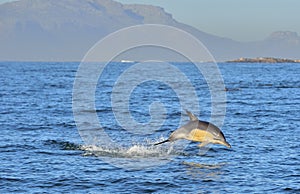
(240, 60)
(264, 60)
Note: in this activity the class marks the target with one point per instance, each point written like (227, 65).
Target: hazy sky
(243, 20)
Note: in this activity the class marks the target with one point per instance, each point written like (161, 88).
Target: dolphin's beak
(227, 144)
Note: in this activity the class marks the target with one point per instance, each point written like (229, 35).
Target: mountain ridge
(65, 30)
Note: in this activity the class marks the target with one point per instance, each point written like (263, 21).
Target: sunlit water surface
(41, 149)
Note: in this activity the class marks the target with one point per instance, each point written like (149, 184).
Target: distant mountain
(281, 44)
(66, 29)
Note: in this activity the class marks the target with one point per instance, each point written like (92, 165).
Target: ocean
(43, 149)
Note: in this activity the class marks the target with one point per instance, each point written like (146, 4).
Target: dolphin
(198, 131)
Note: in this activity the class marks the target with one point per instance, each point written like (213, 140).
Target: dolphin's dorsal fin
(192, 116)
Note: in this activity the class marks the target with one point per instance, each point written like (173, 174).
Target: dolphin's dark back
(209, 127)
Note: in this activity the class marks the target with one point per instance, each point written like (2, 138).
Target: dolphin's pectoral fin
(203, 144)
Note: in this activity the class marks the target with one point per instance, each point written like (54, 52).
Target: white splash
(134, 151)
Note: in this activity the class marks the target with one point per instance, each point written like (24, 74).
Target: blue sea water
(41, 149)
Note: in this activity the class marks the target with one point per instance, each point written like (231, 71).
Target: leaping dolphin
(198, 131)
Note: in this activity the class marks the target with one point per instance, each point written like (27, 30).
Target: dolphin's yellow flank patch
(200, 135)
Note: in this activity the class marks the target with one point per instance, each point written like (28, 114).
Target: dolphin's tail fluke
(162, 142)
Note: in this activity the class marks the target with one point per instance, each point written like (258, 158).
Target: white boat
(127, 61)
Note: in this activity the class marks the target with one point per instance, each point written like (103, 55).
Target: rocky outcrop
(264, 60)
